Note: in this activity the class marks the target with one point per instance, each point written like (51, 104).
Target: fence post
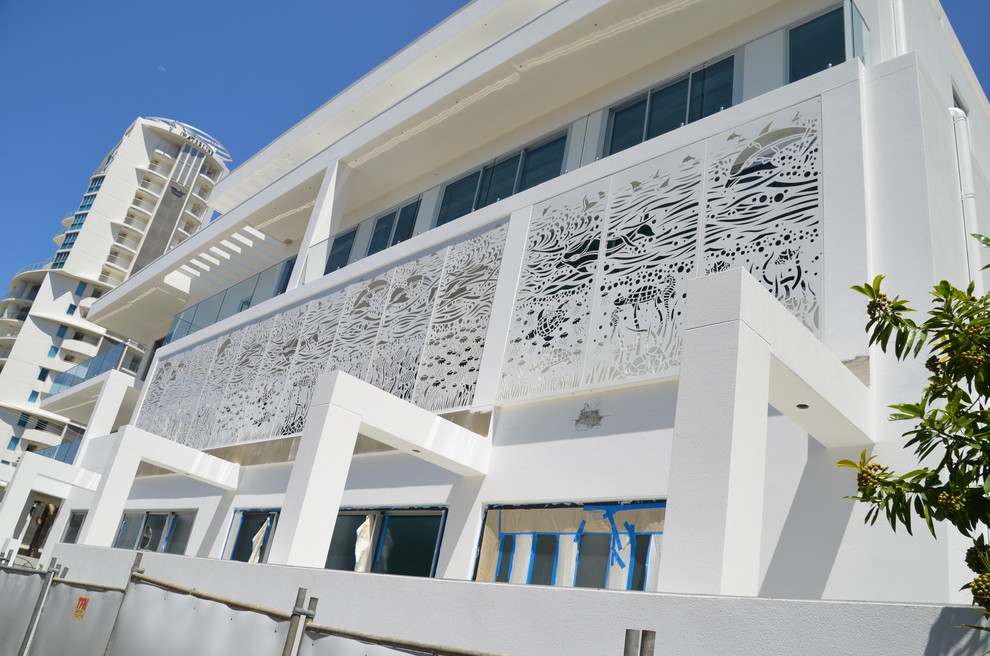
(46, 584)
(297, 612)
(649, 643)
(632, 643)
(135, 569)
(7, 558)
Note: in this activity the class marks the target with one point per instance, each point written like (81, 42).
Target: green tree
(951, 421)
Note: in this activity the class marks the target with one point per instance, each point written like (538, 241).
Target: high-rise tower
(147, 195)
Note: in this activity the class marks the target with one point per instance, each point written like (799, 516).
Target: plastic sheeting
(319, 644)
(158, 622)
(18, 594)
(77, 619)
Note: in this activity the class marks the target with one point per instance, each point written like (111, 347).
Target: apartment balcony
(111, 278)
(84, 349)
(4, 354)
(196, 211)
(46, 436)
(123, 357)
(131, 222)
(37, 266)
(130, 243)
(152, 188)
(8, 335)
(119, 262)
(143, 205)
(64, 452)
(159, 153)
(14, 316)
(202, 192)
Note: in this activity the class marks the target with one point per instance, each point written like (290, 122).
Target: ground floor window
(166, 532)
(394, 541)
(253, 531)
(76, 519)
(603, 545)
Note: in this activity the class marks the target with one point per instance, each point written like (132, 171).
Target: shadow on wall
(809, 541)
(947, 636)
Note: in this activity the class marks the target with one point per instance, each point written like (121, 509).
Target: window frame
(380, 525)
(166, 534)
(233, 534)
(846, 36)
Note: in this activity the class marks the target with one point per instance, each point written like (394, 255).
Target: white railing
(117, 260)
(143, 204)
(155, 189)
(126, 242)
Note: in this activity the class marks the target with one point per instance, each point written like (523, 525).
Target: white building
(147, 195)
(517, 324)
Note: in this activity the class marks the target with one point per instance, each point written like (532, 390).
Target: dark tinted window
(711, 89)
(627, 126)
(382, 233)
(816, 45)
(498, 181)
(542, 163)
(592, 566)
(544, 559)
(505, 558)
(340, 251)
(458, 198)
(342, 543)
(408, 545)
(668, 108)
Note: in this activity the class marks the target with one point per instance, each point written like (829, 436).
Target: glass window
(816, 45)
(87, 202)
(458, 198)
(95, 185)
(594, 550)
(406, 222)
(544, 559)
(542, 163)
(33, 396)
(76, 520)
(594, 546)
(179, 531)
(861, 37)
(12, 444)
(81, 288)
(254, 533)
(504, 565)
(344, 549)
(498, 181)
(53, 351)
(626, 127)
(68, 241)
(408, 545)
(43, 374)
(387, 541)
(668, 108)
(382, 233)
(71, 309)
(711, 89)
(129, 530)
(59, 260)
(23, 419)
(77, 221)
(61, 331)
(340, 251)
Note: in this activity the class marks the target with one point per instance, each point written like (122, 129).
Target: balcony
(127, 242)
(122, 357)
(9, 333)
(118, 261)
(258, 288)
(37, 266)
(132, 222)
(15, 316)
(148, 186)
(4, 354)
(112, 279)
(81, 347)
(196, 211)
(143, 205)
(42, 433)
(64, 452)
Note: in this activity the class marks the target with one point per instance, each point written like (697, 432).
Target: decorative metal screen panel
(549, 331)
(448, 370)
(257, 381)
(764, 209)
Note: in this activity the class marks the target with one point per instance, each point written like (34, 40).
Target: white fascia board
(179, 458)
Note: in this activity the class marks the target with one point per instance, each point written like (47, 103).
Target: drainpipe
(964, 160)
(900, 29)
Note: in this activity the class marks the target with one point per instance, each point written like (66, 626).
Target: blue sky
(76, 74)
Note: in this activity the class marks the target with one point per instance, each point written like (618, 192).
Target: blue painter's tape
(577, 536)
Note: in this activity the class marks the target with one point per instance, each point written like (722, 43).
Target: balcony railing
(4, 354)
(118, 261)
(144, 205)
(64, 452)
(118, 358)
(155, 189)
(260, 287)
(37, 265)
(127, 242)
(15, 315)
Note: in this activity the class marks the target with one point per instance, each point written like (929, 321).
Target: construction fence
(43, 612)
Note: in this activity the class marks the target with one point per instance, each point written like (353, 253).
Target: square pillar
(316, 484)
(100, 526)
(714, 520)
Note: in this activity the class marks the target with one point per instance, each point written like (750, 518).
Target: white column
(323, 223)
(461, 530)
(316, 484)
(100, 526)
(105, 410)
(714, 517)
